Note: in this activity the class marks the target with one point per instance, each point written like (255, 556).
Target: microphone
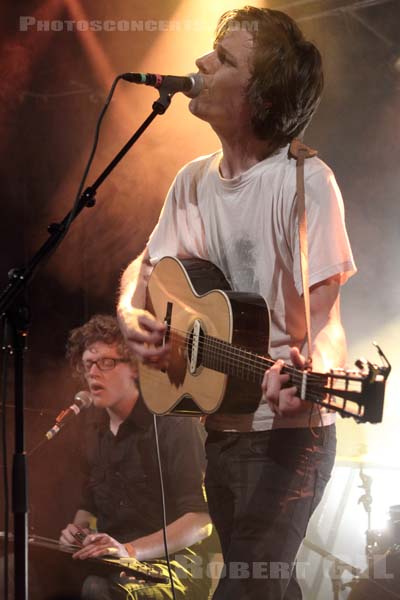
(81, 400)
(191, 85)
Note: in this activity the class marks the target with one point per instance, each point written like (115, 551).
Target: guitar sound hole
(195, 347)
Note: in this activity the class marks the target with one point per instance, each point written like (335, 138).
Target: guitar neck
(224, 357)
(339, 390)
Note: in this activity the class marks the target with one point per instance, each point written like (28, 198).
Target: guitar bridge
(167, 322)
(195, 347)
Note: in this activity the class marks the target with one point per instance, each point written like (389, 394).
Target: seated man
(122, 489)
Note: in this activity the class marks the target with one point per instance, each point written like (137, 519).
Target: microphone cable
(92, 152)
(164, 512)
(74, 210)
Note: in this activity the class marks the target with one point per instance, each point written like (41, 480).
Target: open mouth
(95, 388)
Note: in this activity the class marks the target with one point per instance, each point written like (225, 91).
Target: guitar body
(193, 298)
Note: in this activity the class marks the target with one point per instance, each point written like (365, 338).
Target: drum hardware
(381, 579)
(382, 550)
(336, 570)
(383, 582)
(366, 500)
(378, 541)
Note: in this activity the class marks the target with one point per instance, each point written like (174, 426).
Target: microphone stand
(14, 307)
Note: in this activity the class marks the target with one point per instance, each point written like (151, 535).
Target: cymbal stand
(336, 570)
(366, 501)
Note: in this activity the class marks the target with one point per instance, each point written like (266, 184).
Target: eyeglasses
(104, 364)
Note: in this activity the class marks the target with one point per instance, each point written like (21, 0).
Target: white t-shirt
(247, 226)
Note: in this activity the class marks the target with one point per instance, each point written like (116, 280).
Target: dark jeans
(262, 488)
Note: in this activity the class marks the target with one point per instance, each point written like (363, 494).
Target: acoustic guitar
(219, 341)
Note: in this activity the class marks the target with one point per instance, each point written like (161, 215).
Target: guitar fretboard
(318, 388)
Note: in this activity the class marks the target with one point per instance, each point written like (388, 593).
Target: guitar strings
(214, 346)
(241, 358)
(221, 350)
(317, 397)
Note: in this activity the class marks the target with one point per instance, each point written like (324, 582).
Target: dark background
(53, 85)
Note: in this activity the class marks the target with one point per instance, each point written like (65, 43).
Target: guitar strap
(300, 152)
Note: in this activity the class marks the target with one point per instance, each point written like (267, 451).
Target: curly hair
(286, 75)
(100, 328)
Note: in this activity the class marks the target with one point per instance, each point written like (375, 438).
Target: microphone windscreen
(198, 84)
(83, 399)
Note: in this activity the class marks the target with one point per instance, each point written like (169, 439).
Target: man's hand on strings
(284, 401)
(145, 336)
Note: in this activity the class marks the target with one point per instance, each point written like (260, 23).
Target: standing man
(237, 208)
(122, 488)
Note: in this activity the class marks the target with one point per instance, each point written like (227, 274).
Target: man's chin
(100, 399)
(195, 109)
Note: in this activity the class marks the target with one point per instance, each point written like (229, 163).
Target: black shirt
(122, 487)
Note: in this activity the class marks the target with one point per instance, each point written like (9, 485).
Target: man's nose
(206, 63)
(93, 368)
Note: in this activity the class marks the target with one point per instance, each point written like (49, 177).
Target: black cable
(4, 367)
(164, 512)
(75, 207)
(92, 153)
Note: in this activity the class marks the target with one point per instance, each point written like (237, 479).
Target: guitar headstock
(359, 393)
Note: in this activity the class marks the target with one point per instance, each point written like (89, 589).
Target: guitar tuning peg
(371, 370)
(387, 367)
